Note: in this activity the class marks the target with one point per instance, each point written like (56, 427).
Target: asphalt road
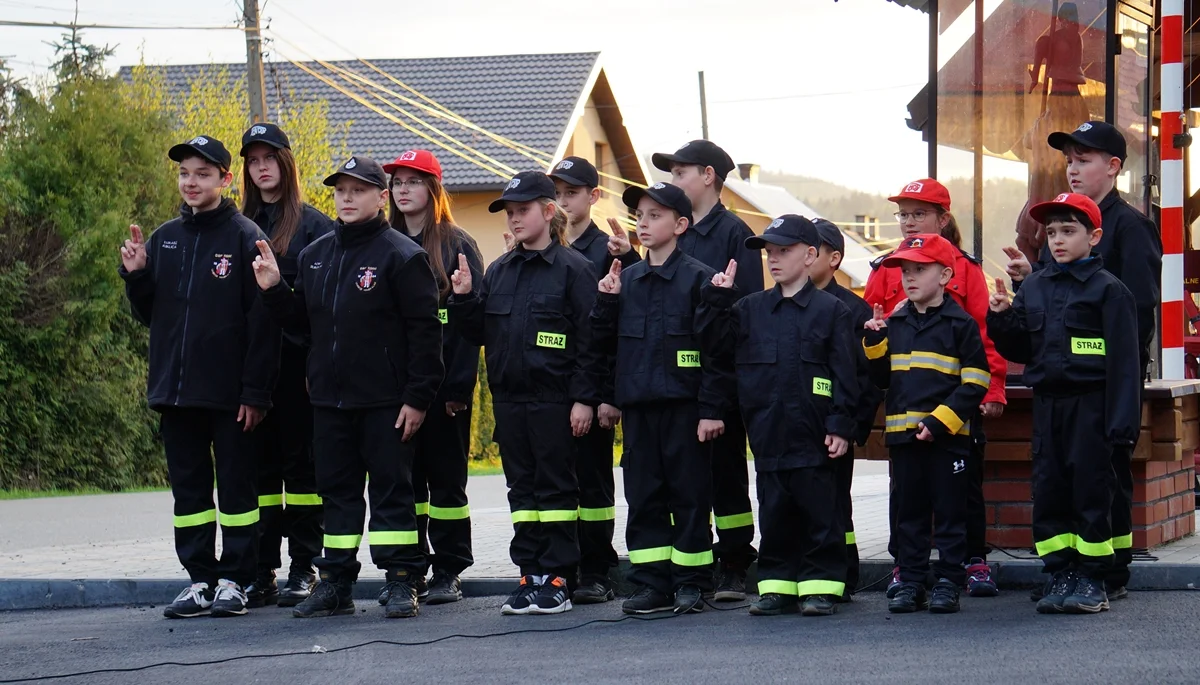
(1149, 638)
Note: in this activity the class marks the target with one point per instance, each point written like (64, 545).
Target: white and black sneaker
(230, 600)
(520, 602)
(196, 600)
(552, 597)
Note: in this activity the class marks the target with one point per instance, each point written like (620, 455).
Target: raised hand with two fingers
(133, 252)
(266, 269)
(1000, 300)
(1018, 266)
(877, 322)
(460, 280)
(611, 283)
(618, 242)
(724, 279)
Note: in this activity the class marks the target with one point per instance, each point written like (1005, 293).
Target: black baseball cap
(700, 152)
(362, 168)
(265, 133)
(525, 186)
(830, 235)
(206, 146)
(664, 194)
(788, 229)
(576, 171)
(1098, 135)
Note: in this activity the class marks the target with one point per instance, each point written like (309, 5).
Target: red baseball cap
(420, 160)
(1075, 201)
(928, 248)
(925, 190)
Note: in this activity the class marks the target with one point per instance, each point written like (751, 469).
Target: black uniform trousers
(287, 483)
(803, 546)
(732, 511)
(537, 452)
(597, 503)
(1073, 484)
(930, 490)
(193, 440)
(440, 488)
(1122, 510)
(843, 471)
(668, 487)
(349, 445)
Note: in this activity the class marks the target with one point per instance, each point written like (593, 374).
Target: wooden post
(255, 85)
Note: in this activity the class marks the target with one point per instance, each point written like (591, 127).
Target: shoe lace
(1062, 583)
(394, 586)
(1085, 586)
(227, 591)
(440, 578)
(642, 592)
(979, 573)
(194, 592)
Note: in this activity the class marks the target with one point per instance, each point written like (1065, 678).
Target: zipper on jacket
(187, 309)
(337, 284)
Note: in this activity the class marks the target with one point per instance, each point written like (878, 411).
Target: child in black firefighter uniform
(367, 296)
(1072, 325)
(531, 315)
(930, 358)
(797, 378)
(673, 390)
(214, 356)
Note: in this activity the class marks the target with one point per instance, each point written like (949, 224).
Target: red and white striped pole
(1171, 175)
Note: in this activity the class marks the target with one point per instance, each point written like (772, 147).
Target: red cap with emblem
(928, 248)
(420, 160)
(1081, 203)
(925, 190)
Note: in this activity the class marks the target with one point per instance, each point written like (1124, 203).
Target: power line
(75, 26)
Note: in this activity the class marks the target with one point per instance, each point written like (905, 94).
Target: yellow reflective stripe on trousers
(1055, 544)
(391, 537)
(971, 374)
(302, 499)
(233, 520)
(558, 515)
(850, 539)
(450, 513)
(649, 556)
(735, 521)
(270, 500)
(777, 587)
(342, 541)
(691, 558)
(189, 520)
(875, 351)
(820, 587)
(525, 516)
(422, 508)
(948, 418)
(1093, 549)
(1123, 541)
(598, 514)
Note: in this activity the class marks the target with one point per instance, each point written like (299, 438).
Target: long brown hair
(950, 230)
(558, 225)
(291, 199)
(438, 230)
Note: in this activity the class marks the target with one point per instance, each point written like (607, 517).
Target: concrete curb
(22, 594)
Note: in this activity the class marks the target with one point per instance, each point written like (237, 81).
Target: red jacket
(968, 287)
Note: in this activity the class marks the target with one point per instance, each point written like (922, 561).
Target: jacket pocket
(631, 351)
(815, 376)
(1085, 337)
(755, 363)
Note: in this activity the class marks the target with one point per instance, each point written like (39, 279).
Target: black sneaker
(1056, 591)
(1116, 592)
(444, 589)
(328, 598)
(419, 584)
(230, 599)
(593, 590)
(521, 600)
(688, 600)
(909, 598)
(402, 596)
(646, 600)
(263, 590)
(944, 598)
(1088, 598)
(819, 605)
(895, 583)
(195, 600)
(732, 584)
(774, 604)
(553, 597)
(299, 587)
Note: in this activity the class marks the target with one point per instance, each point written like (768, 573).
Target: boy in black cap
(214, 356)
(673, 390)
(798, 392)
(829, 260)
(716, 236)
(1132, 251)
(576, 185)
(367, 296)
(530, 314)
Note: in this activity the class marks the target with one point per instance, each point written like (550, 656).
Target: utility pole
(703, 110)
(255, 85)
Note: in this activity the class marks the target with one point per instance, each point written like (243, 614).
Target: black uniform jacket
(869, 396)
(313, 225)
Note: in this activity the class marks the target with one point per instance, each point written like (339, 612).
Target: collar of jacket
(1081, 269)
(589, 235)
(212, 217)
(349, 235)
(706, 224)
(1113, 197)
(949, 309)
(801, 298)
(548, 253)
(665, 270)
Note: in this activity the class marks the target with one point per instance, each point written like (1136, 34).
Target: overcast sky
(805, 86)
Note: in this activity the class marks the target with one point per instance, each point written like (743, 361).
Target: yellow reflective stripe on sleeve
(558, 515)
(898, 423)
(449, 513)
(270, 500)
(688, 359)
(735, 521)
(1055, 544)
(598, 514)
(778, 587)
(302, 499)
(189, 520)
(691, 558)
(875, 351)
(649, 556)
(1093, 549)
(232, 520)
(391, 537)
(971, 374)
(1123, 541)
(557, 341)
(948, 418)
(823, 387)
(850, 539)
(1088, 346)
(525, 516)
(422, 508)
(342, 541)
(820, 587)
